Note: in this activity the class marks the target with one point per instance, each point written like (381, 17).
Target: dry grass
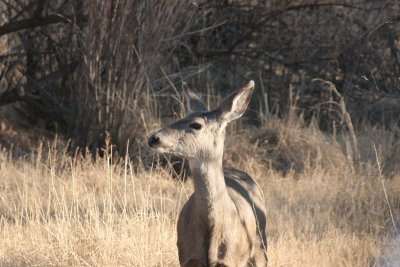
(58, 210)
(63, 211)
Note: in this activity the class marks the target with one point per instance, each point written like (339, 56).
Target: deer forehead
(208, 119)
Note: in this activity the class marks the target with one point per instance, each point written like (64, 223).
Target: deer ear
(234, 106)
(192, 101)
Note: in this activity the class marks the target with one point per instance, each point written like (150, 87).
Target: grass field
(60, 210)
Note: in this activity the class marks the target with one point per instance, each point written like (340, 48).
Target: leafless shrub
(88, 68)
(322, 102)
(123, 46)
(352, 44)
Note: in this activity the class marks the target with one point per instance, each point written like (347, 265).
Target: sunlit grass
(59, 210)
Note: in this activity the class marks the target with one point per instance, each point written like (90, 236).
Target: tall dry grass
(59, 210)
(63, 211)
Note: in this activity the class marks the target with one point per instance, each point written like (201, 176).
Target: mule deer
(223, 222)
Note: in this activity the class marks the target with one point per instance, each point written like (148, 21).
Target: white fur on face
(180, 139)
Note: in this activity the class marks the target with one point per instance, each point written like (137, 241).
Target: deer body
(223, 222)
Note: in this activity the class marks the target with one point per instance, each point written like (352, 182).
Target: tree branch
(24, 24)
(275, 13)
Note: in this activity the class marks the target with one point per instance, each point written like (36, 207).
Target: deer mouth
(164, 150)
(167, 149)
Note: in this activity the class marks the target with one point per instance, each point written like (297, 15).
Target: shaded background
(82, 69)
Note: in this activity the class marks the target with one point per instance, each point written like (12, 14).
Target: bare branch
(24, 24)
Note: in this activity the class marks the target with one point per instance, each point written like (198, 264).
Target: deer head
(200, 135)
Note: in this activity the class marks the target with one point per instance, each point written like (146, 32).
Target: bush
(85, 69)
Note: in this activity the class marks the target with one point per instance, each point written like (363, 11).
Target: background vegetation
(83, 83)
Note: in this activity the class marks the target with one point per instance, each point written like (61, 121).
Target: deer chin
(170, 151)
(162, 149)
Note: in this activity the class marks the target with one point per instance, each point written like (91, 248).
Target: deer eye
(195, 126)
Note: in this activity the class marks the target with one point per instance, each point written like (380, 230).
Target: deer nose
(153, 140)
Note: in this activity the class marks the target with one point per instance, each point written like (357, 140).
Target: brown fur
(223, 222)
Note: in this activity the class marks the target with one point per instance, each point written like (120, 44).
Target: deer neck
(210, 192)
